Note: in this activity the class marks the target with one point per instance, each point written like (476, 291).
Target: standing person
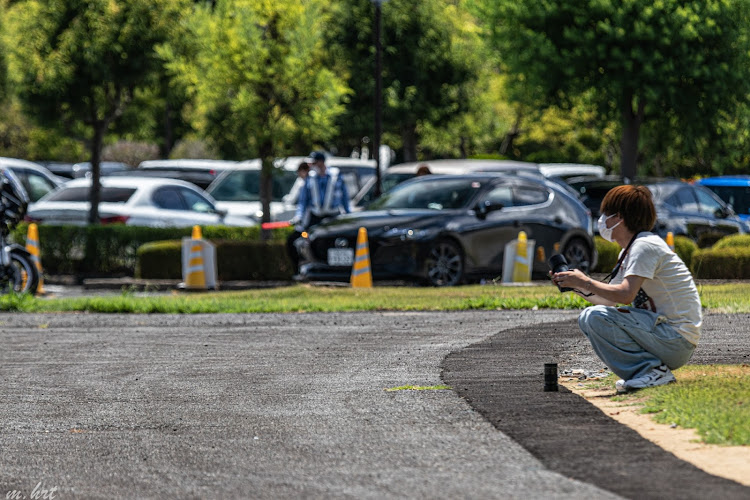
(303, 169)
(323, 195)
(659, 331)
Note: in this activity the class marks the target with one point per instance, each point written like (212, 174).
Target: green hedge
(235, 260)
(685, 248)
(721, 263)
(733, 241)
(608, 252)
(111, 249)
(159, 260)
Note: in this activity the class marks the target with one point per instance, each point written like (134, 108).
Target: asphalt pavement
(271, 406)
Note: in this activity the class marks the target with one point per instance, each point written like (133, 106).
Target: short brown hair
(634, 204)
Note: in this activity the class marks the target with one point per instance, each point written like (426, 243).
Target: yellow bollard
(670, 240)
(521, 262)
(32, 245)
(361, 274)
(196, 273)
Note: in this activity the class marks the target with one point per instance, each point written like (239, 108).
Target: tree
(477, 131)
(671, 62)
(256, 74)
(3, 61)
(431, 53)
(78, 63)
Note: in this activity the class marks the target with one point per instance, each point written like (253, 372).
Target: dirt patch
(730, 462)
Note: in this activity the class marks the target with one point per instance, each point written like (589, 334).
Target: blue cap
(317, 156)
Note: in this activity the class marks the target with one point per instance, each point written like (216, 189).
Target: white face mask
(604, 231)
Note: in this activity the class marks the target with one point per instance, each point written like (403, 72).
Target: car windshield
(391, 180)
(434, 194)
(244, 185)
(83, 193)
(737, 196)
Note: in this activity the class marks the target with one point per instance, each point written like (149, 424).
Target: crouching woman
(659, 330)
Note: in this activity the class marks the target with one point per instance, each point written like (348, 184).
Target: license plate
(340, 256)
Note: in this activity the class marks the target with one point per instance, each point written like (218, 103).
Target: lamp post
(378, 95)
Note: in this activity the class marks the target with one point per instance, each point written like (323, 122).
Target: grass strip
(307, 298)
(734, 298)
(712, 399)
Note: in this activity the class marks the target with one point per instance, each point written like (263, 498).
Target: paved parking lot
(254, 406)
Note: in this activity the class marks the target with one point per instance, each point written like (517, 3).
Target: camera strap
(617, 267)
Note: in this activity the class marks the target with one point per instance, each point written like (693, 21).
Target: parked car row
(681, 208)
(236, 186)
(443, 229)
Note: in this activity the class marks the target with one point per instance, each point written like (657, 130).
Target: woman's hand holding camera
(574, 279)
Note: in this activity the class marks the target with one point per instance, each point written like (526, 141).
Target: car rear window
(108, 194)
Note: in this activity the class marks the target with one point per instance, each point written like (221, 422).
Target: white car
(238, 191)
(567, 171)
(135, 201)
(36, 180)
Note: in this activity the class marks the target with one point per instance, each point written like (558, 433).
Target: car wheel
(444, 265)
(578, 254)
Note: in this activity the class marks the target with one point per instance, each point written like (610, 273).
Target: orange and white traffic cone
(361, 274)
(32, 246)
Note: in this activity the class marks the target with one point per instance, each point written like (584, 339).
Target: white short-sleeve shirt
(668, 283)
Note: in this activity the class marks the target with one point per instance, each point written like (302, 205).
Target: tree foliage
(670, 61)
(78, 63)
(3, 58)
(431, 55)
(256, 75)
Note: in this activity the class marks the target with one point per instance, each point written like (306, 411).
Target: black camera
(558, 264)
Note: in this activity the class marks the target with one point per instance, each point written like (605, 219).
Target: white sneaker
(658, 376)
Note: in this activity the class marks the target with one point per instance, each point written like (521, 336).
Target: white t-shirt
(668, 284)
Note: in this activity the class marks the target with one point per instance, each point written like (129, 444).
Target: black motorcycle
(18, 273)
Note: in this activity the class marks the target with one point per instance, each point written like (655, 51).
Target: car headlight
(405, 234)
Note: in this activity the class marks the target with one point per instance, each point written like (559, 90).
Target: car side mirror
(723, 212)
(220, 213)
(483, 208)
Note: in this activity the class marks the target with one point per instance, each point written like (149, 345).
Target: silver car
(36, 180)
(135, 201)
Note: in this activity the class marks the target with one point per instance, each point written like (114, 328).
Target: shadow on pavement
(503, 379)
